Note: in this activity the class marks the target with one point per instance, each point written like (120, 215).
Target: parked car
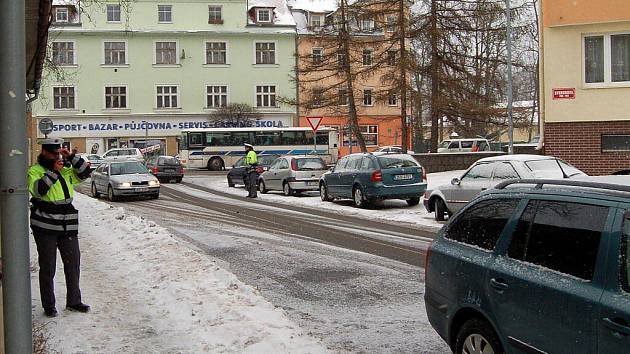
(464, 145)
(365, 178)
(93, 159)
(488, 172)
(166, 168)
(123, 154)
(535, 266)
(390, 149)
(123, 179)
(238, 172)
(293, 175)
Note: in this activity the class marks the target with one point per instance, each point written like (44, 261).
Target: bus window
(322, 138)
(267, 138)
(216, 139)
(294, 138)
(195, 139)
(240, 138)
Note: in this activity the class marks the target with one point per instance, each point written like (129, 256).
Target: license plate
(169, 169)
(142, 189)
(403, 177)
(314, 183)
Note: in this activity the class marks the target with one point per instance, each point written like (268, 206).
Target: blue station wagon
(366, 177)
(535, 266)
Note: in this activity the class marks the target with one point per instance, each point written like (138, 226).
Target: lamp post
(508, 15)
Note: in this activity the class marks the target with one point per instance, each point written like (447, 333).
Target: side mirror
(332, 169)
(456, 181)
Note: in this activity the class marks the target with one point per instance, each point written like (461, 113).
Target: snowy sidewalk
(151, 293)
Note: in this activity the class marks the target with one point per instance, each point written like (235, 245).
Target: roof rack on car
(565, 182)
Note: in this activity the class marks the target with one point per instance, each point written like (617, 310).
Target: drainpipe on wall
(541, 80)
(297, 80)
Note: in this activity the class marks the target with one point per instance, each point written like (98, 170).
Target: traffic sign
(45, 126)
(314, 122)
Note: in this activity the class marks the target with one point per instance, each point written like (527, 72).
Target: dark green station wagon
(535, 266)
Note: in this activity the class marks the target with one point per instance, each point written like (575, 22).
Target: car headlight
(154, 183)
(125, 184)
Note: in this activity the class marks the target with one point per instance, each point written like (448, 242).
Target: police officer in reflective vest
(251, 159)
(55, 221)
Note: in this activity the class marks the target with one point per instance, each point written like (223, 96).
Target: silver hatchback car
(487, 173)
(293, 175)
(124, 179)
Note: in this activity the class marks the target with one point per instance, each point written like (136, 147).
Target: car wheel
(230, 183)
(215, 164)
(477, 337)
(262, 187)
(94, 191)
(323, 193)
(286, 189)
(110, 194)
(440, 209)
(155, 196)
(413, 201)
(359, 198)
(179, 180)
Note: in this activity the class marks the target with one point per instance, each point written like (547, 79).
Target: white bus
(216, 148)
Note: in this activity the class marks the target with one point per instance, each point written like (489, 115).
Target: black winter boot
(80, 307)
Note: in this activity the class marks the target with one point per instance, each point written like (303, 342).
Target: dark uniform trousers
(68, 245)
(252, 181)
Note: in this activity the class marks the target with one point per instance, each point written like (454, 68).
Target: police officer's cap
(51, 144)
(248, 145)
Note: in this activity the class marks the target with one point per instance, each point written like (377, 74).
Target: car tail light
(155, 170)
(259, 170)
(377, 176)
(424, 174)
(426, 262)
(294, 165)
(181, 170)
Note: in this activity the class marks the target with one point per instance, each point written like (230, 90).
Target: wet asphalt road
(354, 283)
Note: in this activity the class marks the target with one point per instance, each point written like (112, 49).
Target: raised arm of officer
(81, 167)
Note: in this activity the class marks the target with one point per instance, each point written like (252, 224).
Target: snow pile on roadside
(150, 292)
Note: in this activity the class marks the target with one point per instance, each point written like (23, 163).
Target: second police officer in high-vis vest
(55, 221)
(251, 159)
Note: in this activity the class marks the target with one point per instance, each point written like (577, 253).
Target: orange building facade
(378, 109)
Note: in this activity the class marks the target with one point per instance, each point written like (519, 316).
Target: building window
(368, 56)
(113, 13)
(607, 59)
(115, 53)
(342, 95)
(316, 21)
(317, 99)
(263, 15)
(369, 132)
(165, 14)
(391, 57)
(616, 143)
(115, 97)
(64, 97)
(367, 24)
(61, 14)
(63, 53)
(167, 97)
(367, 97)
(216, 53)
(216, 96)
(341, 59)
(318, 55)
(391, 23)
(392, 100)
(166, 52)
(266, 96)
(214, 14)
(265, 53)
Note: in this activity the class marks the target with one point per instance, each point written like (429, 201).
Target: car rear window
(561, 236)
(397, 161)
(482, 224)
(467, 144)
(170, 161)
(545, 168)
(127, 168)
(310, 164)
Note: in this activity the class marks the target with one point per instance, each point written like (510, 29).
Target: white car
(123, 154)
(464, 145)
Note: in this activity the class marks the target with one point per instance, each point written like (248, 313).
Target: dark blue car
(365, 178)
(535, 266)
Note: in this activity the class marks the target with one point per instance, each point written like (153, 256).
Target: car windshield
(310, 164)
(397, 161)
(444, 144)
(550, 168)
(127, 168)
(266, 160)
(171, 161)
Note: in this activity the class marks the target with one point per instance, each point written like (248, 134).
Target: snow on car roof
(516, 157)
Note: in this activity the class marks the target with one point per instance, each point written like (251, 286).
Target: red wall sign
(564, 93)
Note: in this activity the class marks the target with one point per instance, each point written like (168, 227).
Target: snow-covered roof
(65, 2)
(282, 14)
(318, 6)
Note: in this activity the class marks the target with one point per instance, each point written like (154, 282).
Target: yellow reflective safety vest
(251, 159)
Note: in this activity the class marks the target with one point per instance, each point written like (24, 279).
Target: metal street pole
(16, 284)
(508, 14)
